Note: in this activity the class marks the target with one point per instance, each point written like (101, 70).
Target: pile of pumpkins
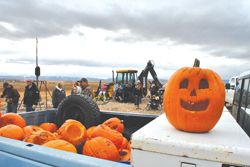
(104, 141)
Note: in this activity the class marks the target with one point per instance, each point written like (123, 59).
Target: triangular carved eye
(184, 84)
(203, 84)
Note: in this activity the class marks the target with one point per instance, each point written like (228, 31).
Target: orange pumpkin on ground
(40, 137)
(12, 131)
(72, 131)
(61, 145)
(51, 127)
(101, 147)
(28, 130)
(12, 118)
(105, 131)
(115, 124)
(124, 155)
(194, 99)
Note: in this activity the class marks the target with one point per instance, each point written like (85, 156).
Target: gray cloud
(221, 28)
(92, 63)
(86, 63)
(9, 52)
(162, 70)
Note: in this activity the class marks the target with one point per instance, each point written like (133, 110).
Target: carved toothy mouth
(195, 106)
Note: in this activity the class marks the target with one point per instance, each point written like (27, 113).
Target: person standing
(103, 92)
(58, 94)
(87, 91)
(138, 93)
(76, 89)
(31, 95)
(11, 96)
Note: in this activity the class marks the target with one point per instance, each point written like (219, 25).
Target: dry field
(50, 85)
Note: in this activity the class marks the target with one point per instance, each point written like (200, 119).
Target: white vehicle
(230, 89)
(241, 103)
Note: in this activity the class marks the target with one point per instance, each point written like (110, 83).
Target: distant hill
(47, 78)
(59, 78)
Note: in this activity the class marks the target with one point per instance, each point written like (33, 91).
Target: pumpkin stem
(196, 63)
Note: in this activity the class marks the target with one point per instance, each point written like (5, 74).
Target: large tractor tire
(79, 108)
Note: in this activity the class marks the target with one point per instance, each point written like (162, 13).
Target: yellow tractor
(123, 77)
(126, 79)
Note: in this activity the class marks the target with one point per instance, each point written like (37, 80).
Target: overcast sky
(91, 37)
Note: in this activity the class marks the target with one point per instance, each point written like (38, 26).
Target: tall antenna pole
(37, 69)
(36, 51)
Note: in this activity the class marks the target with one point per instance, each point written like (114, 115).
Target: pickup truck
(154, 141)
(18, 153)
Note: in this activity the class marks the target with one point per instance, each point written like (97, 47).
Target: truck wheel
(79, 108)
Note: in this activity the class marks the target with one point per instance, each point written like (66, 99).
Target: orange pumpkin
(12, 131)
(72, 131)
(51, 127)
(194, 99)
(128, 146)
(124, 144)
(105, 131)
(90, 131)
(28, 130)
(61, 145)
(124, 155)
(115, 124)
(40, 137)
(101, 147)
(12, 118)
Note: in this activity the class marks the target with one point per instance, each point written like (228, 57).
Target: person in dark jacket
(31, 95)
(87, 90)
(58, 95)
(138, 93)
(11, 96)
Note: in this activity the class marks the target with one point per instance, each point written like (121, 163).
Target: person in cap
(31, 95)
(87, 90)
(58, 94)
(11, 96)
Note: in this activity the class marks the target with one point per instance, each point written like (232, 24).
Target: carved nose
(193, 93)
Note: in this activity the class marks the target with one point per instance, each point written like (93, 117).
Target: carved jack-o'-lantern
(194, 99)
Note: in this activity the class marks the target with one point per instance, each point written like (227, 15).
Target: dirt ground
(50, 85)
(129, 107)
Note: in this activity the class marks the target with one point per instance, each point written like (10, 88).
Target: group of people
(11, 95)
(129, 92)
(123, 93)
(81, 87)
(31, 95)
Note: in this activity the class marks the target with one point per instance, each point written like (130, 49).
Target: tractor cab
(123, 85)
(125, 76)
